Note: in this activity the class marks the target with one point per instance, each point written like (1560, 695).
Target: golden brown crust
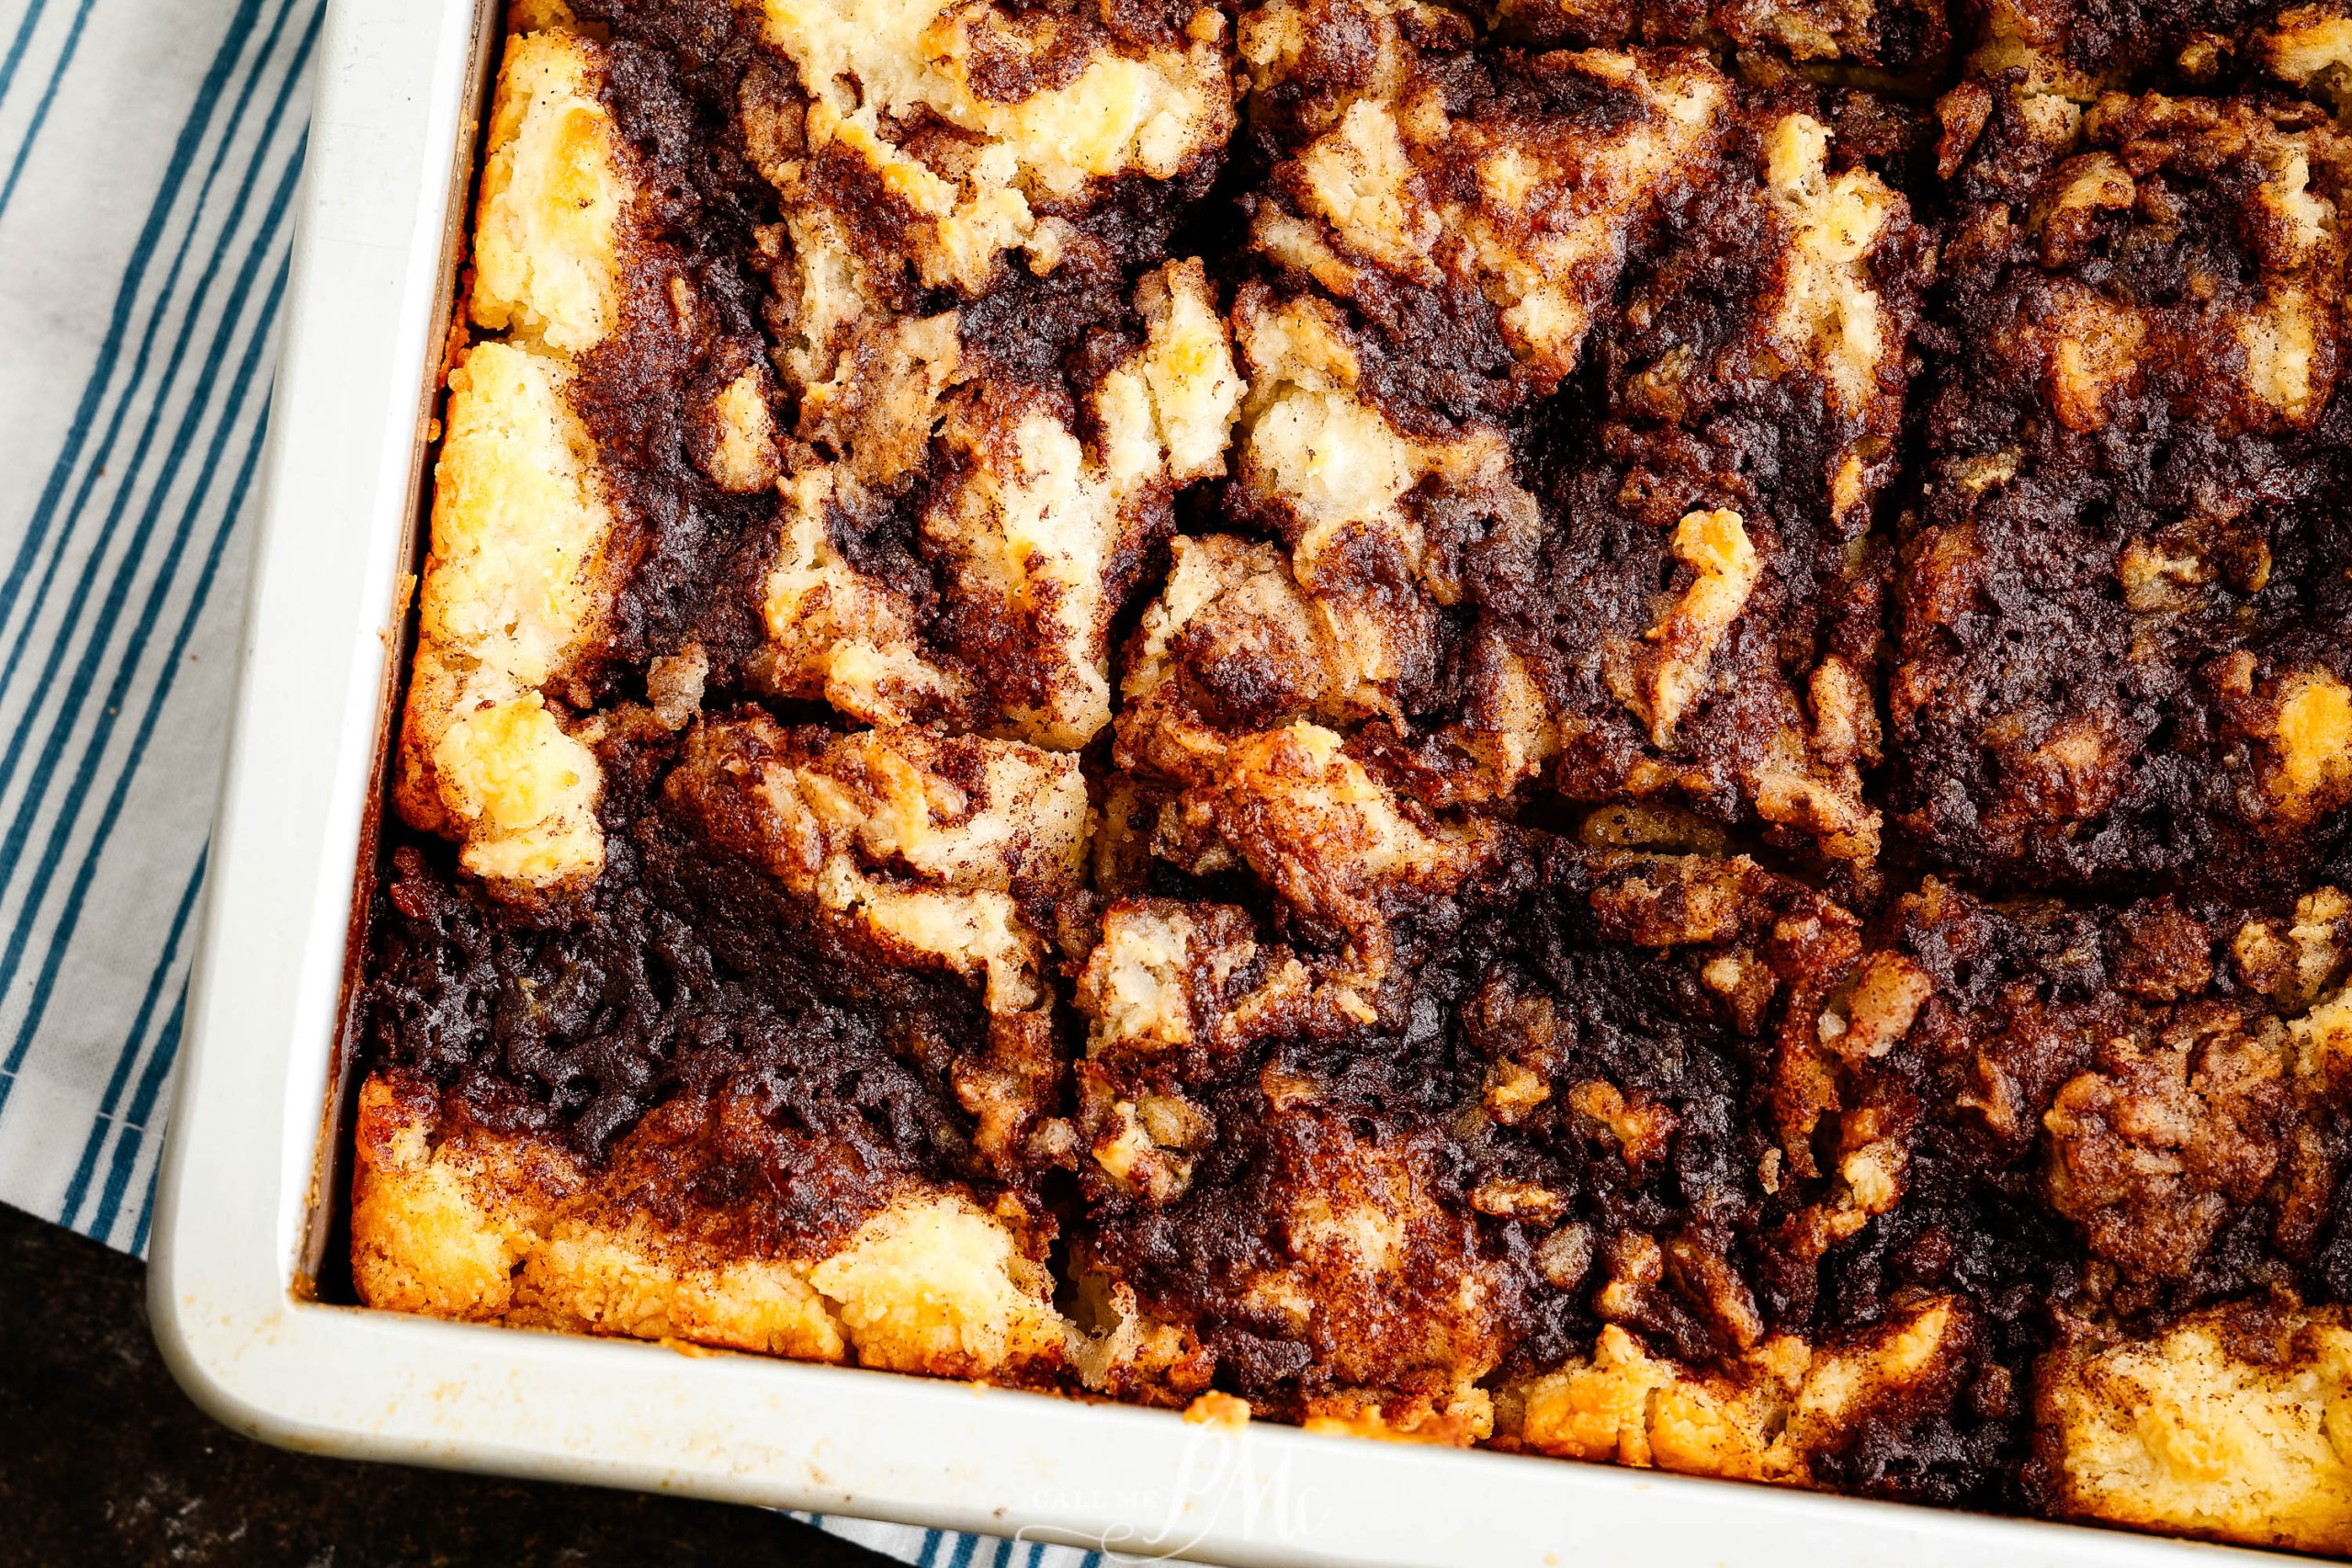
(555, 200)
(458, 1222)
(517, 582)
(1763, 1419)
(2231, 1425)
(526, 560)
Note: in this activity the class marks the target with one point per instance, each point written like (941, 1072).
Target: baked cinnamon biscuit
(622, 411)
(963, 553)
(1476, 204)
(1613, 729)
(789, 1087)
(1755, 396)
(482, 1224)
(1408, 1185)
(2190, 43)
(2228, 1426)
(987, 455)
(938, 138)
(2121, 619)
(1780, 1413)
(1991, 1113)
(1669, 594)
(520, 580)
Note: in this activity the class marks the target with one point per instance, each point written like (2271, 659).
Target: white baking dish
(252, 1142)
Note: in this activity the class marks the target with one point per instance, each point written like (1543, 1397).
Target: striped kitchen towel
(149, 157)
(149, 162)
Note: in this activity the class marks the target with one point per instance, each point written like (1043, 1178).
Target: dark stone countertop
(105, 1462)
